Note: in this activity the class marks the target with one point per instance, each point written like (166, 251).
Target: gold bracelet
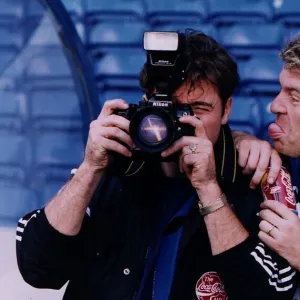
(206, 210)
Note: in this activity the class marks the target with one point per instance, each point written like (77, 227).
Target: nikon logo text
(160, 104)
(166, 62)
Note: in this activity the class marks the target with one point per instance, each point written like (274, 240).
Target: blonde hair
(291, 54)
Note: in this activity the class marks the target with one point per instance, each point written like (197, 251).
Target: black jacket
(106, 260)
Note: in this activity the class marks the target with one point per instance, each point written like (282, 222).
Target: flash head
(161, 41)
(166, 59)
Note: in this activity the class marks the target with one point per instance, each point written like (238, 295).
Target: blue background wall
(49, 95)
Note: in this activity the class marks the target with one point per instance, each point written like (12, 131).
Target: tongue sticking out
(275, 131)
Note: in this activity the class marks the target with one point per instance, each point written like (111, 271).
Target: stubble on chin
(288, 148)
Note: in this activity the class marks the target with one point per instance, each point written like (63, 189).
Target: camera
(154, 124)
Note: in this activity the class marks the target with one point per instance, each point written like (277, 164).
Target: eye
(295, 100)
(202, 108)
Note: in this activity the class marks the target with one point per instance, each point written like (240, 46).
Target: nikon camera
(154, 124)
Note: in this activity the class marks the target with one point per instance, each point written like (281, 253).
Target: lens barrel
(152, 129)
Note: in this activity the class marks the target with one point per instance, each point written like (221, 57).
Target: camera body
(154, 124)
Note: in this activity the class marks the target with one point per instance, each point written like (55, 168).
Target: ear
(227, 111)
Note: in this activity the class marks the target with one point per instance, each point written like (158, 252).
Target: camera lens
(152, 129)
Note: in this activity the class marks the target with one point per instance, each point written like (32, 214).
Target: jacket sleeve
(253, 271)
(45, 257)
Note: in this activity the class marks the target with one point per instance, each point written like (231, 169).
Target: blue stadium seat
(115, 10)
(245, 115)
(74, 7)
(13, 111)
(11, 11)
(291, 32)
(57, 153)
(15, 157)
(287, 11)
(48, 63)
(55, 109)
(130, 96)
(111, 35)
(244, 40)
(7, 56)
(44, 35)
(120, 69)
(15, 203)
(260, 74)
(268, 116)
(236, 11)
(48, 67)
(34, 10)
(59, 149)
(50, 189)
(208, 29)
(170, 11)
(10, 37)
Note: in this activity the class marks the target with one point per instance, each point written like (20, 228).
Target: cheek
(293, 122)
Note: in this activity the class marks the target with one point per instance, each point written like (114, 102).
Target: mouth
(275, 131)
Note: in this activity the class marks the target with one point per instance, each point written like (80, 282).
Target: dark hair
(209, 62)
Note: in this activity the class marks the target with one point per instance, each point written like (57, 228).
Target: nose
(278, 106)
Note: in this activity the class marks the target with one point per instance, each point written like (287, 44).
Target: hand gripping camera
(154, 124)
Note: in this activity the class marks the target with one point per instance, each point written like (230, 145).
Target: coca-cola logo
(275, 190)
(286, 180)
(210, 287)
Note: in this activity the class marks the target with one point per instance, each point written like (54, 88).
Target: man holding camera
(183, 230)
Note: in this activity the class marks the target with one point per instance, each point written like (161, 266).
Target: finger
(243, 156)
(267, 239)
(263, 164)
(278, 208)
(197, 123)
(268, 228)
(114, 146)
(189, 161)
(116, 133)
(271, 217)
(180, 163)
(115, 120)
(179, 144)
(252, 161)
(111, 105)
(275, 165)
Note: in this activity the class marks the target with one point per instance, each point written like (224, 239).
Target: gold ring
(269, 232)
(193, 148)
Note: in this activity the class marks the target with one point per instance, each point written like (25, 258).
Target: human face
(207, 106)
(286, 130)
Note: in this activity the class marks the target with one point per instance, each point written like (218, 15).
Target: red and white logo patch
(210, 287)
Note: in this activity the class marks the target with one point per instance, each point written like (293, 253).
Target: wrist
(91, 169)
(209, 193)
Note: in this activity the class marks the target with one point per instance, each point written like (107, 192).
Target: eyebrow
(293, 89)
(202, 103)
(196, 103)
